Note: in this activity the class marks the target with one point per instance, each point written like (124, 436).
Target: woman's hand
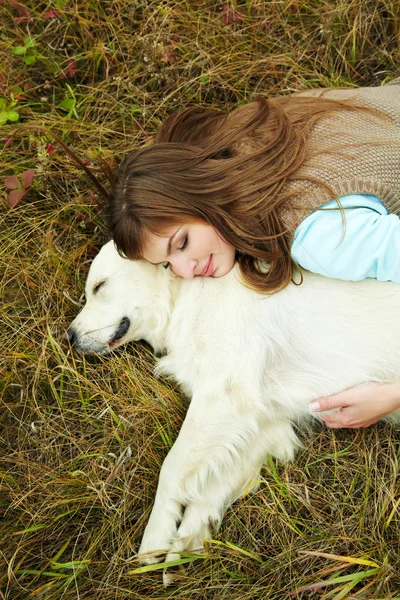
(360, 406)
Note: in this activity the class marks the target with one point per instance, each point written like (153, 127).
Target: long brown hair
(227, 169)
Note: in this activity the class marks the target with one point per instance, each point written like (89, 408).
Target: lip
(208, 269)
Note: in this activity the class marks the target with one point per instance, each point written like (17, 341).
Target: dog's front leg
(212, 437)
(171, 498)
(276, 438)
(218, 451)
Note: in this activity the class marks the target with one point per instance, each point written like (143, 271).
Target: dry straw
(82, 441)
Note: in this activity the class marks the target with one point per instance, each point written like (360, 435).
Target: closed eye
(181, 248)
(185, 242)
(98, 286)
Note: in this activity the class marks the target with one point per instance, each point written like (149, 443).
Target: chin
(222, 271)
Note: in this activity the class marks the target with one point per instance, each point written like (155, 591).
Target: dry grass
(82, 441)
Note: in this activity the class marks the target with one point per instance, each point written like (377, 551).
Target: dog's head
(123, 303)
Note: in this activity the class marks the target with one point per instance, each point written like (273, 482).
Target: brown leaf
(230, 15)
(168, 57)
(92, 198)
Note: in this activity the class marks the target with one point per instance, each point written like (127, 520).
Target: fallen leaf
(27, 177)
(230, 15)
(12, 182)
(53, 14)
(70, 71)
(168, 57)
(8, 141)
(19, 7)
(15, 196)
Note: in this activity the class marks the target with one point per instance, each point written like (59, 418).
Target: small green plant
(69, 103)
(8, 112)
(28, 51)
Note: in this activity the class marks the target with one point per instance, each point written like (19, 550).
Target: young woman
(311, 179)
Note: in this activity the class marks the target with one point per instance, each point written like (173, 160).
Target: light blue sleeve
(369, 246)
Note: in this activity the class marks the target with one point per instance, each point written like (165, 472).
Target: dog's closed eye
(98, 286)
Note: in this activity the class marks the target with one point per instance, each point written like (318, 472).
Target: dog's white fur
(250, 364)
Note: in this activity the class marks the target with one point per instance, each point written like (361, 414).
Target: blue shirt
(368, 245)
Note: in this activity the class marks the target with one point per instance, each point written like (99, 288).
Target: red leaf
(92, 198)
(53, 14)
(15, 196)
(70, 71)
(27, 178)
(23, 11)
(12, 182)
(9, 141)
(50, 148)
(230, 15)
(168, 57)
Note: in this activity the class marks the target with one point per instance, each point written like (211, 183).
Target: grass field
(82, 441)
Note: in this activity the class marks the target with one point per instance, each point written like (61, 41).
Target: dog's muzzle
(72, 336)
(85, 344)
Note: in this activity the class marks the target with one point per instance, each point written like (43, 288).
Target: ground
(82, 441)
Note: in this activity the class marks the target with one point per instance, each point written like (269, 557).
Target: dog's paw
(151, 557)
(193, 530)
(183, 543)
(159, 535)
(154, 548)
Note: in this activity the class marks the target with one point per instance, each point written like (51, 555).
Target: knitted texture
(353, 152)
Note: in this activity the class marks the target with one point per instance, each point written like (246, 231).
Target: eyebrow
(169, 247)
(170, 242)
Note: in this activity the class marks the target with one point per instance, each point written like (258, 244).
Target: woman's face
(191, 250)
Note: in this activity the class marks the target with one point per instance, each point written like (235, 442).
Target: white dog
(250, 364)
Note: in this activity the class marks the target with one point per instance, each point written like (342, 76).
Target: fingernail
(314, 406)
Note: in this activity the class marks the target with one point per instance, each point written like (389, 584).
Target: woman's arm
(368, 246)
(360, 406)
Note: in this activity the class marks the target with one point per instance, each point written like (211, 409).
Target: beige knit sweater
(358, 166)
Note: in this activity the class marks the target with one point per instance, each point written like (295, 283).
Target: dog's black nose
(72, 336)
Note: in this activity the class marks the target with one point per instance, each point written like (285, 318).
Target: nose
(184, 268)
(72, 336)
